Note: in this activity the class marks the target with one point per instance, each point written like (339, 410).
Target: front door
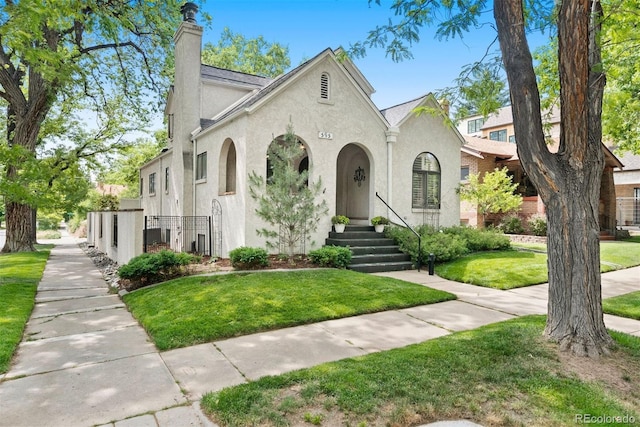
(353, 182)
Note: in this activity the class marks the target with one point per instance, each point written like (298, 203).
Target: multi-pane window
(498, 135)
(475, 125)
(201, 166)
(166, 180)
(152, 183)
(324, 86)
(426, 182)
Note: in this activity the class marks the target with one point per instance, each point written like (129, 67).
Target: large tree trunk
(19, 228)
(568, 181)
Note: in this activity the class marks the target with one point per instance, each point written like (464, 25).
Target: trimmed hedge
(150, 268)
(248, 258)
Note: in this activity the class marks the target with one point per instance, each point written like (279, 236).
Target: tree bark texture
(568, 181)
(19, 228)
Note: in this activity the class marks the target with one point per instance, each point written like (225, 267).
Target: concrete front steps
(372, 252)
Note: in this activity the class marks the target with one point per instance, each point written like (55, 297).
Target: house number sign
(325, 135)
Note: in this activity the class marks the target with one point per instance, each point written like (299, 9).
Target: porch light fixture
(359, 176)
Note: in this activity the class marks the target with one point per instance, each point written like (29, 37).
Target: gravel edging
(107, 267)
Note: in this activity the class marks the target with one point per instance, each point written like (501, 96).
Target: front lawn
(200, 309)
(627, 305)
(19, 277)
(499, 269)
(514, 269)
(500, 374)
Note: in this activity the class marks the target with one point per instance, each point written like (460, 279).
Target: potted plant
(339, 222)
(379, 222)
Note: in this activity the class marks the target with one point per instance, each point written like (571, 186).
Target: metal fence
(178, 233)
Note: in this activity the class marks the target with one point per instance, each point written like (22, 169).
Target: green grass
(19, 277)
(200, 309)
(500, 374)
(627, 305)
(514, 269)
(498, 269)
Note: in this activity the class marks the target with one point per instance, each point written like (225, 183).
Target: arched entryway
(353, 183)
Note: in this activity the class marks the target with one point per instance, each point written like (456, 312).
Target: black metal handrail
(408, 226)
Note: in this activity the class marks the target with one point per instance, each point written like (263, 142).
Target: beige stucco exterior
(341, 129)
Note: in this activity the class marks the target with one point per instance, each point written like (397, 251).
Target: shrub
(538, 224)
(49, 234)
(449, 243)
(150, 268)
(248, 258)
(331, 256)
(478, 240)
(49, 221)
(511, 224)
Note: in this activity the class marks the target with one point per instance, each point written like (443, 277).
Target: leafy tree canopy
(253, 56)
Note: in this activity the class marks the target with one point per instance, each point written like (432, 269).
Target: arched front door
(353, 182)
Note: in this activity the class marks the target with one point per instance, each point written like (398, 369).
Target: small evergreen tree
(288, 200)
(494, 194)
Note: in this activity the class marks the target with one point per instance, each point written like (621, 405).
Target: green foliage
(49, 221)
(538, 224)
(511, 224)
(49, 234)
(124, 167)
(447, 244)
(106, 202)
(150, 268)
(66, 64)
(379, 220)
(288, 200)
(252, 56)
(339, 219)
(248, 258)
(331, 256)
(493, 194)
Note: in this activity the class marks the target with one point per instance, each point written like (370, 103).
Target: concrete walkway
(85, 361)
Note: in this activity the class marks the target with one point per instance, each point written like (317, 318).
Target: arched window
(324, 86)
(426, 182)
(227, 168)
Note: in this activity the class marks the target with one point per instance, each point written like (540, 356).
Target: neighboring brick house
(490, 144)
(627, 183)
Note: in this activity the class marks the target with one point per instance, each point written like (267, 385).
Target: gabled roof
(264, 91)
(211, 73)
(397, 113)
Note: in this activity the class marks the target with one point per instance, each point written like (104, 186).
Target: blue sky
(309, 26)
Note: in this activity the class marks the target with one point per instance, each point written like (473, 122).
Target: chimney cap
(189, 11)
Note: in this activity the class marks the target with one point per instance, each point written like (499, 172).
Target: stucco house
(221, 123)
(490, 144)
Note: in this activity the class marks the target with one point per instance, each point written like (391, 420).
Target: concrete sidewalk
(85, 361)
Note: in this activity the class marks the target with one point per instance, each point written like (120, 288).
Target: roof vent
(189, 11)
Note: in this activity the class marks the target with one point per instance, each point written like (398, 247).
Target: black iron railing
(178, 233)
(419, 262)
